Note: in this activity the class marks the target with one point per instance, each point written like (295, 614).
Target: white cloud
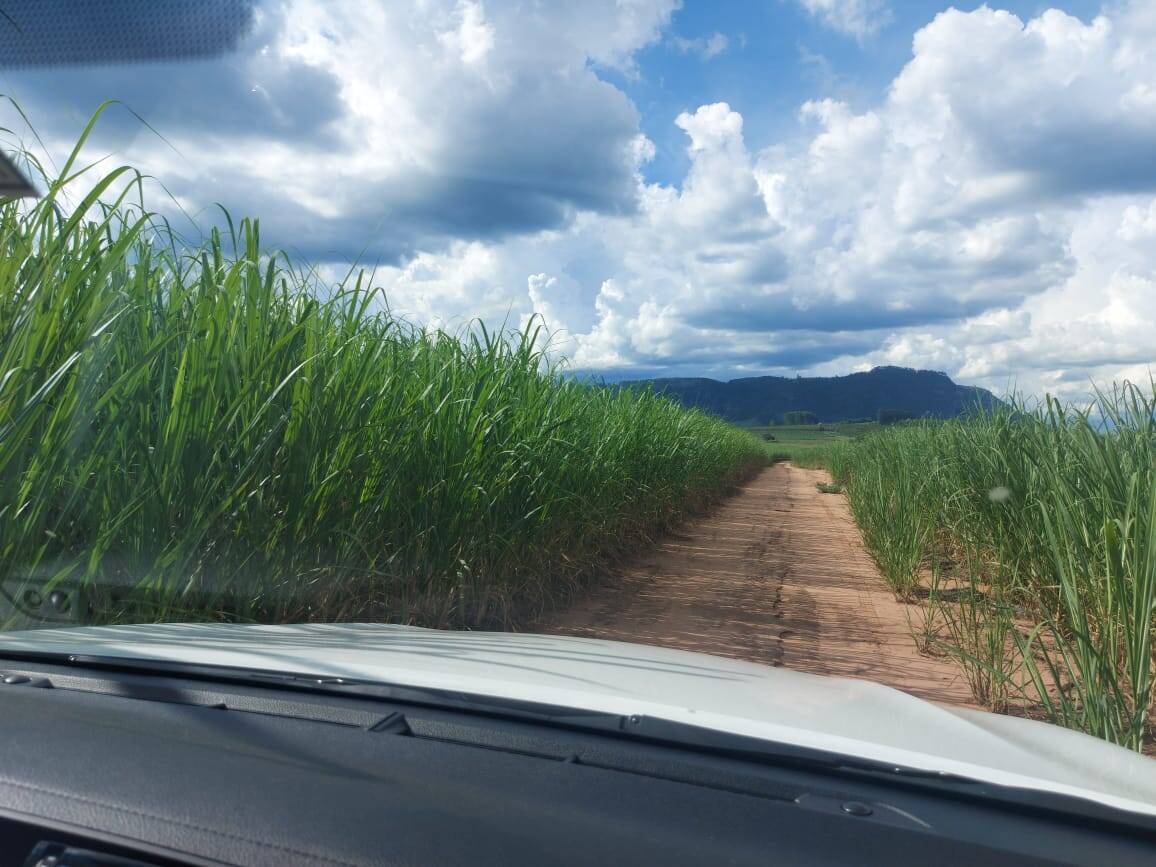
(387, 128)
(473, 37)
(992, 215)
(858, 18)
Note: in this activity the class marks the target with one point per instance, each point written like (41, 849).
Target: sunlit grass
(810, 446)
(1047, 514)
(205, 432)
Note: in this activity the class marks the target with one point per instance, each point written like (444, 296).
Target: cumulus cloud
(378, 130)
(857, 18)
(1019, 165)
(993, 216)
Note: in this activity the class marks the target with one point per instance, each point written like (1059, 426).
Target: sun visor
(13, 184)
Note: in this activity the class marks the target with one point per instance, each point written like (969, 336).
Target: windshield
(816, 334)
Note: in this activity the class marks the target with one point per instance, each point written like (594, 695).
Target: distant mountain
(759, 399)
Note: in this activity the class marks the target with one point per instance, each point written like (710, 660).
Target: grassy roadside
(808, 445)
(191, 433)
(1028, 536)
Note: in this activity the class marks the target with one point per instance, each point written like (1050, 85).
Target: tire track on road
(776, 574)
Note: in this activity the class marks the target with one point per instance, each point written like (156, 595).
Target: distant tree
(800, 416)
(891, 416)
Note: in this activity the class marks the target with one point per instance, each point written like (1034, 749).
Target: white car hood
(852, 717)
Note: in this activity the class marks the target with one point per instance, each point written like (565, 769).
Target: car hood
(850, 717)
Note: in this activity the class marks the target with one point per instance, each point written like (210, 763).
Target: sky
(718, 189)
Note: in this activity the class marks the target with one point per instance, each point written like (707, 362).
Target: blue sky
(777, 56)
(697, 188)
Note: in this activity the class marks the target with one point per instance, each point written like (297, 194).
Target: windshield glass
(810, 333)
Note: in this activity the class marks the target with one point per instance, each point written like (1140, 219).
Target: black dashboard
(159, 769)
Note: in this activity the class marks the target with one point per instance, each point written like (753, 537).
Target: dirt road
(776, 574)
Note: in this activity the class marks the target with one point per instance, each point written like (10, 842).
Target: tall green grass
(205, 432)
(1045, 522)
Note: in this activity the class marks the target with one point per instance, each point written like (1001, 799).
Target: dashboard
(158, 769)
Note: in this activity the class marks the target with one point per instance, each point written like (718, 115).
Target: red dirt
(775, 574)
